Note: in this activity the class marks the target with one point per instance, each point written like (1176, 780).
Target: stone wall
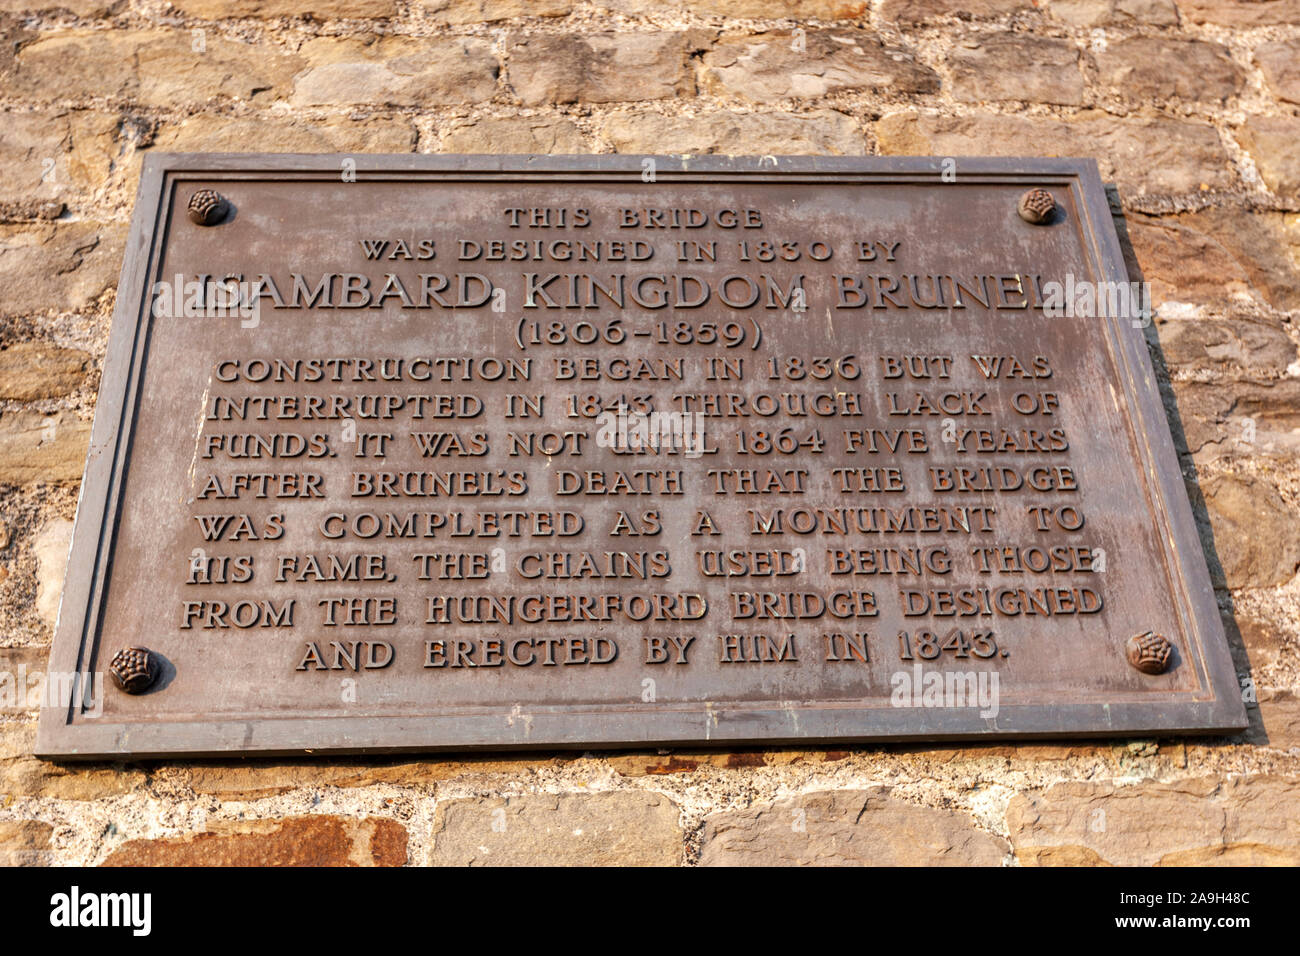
(1191, 108)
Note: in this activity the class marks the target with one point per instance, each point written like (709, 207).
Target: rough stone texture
(514, 134)
(1272, 140)
(1147, 154)
(213, 133)
(62, 266)
(50, 549)
(598, 829)
(847, 828)
(1250, 419)
(1257, 542)
(396, 71)
(602, 68)
(1241, 13)
(297, 841)
(16, 694)
(315, 9)
(1160, 68)
(912, 12)
(774, 66)
(1251, 346)
(26, 776)
(1280, 711)
(25, 843)
(1184, 265)
(766, 133)
(1194, 822)
(1257, 243)
(489, 11)
(38, 447)
(84, 9)
(253, 779)
(52, 154)
(1200, 143)
(158, 68)
(1091, 13)
(32, 370)
(737, 9)
(1281, 65)
(1013, 66)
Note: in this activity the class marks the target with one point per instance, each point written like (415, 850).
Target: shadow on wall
(1255, 732)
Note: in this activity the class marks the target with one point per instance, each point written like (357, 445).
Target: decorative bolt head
(207, 207)
(134, 669)
(1149, 652)
(1036, 206)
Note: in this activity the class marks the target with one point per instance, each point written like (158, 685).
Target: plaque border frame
(1216, 709)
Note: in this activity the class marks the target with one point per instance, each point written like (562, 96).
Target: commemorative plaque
(453, 452)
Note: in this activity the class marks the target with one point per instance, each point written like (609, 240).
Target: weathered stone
(33, 370)
(689, 761)
(620, 828)
(488, 11)
(82, 9)
(149, 67)
(49, 154)
(1183, 265)
(50, 548)
(1257, 241)
(1160, 68)
(250, 780)
(293, 841)
(599, 68)
(1271, 140)
(1280, 711)
(22, 679)
(313, 9)
(514, 134)
(742, 9)
(1091, 13)
(37, 447)
(17, 738)
(25, 843)
(1255, 536)
(1245, 821)
(765, 134)
(60, 266)
(1244, 418)
(1222, 256)
(396, 71)
(26, 776)
(911, 12)
(1241, 13)
(1262, 638)
(1251, 346)
(772, 66)
(847, 828)
(1016, 66)
(1281, 65)
(214, 133)
(1149, 154)
(32, 210)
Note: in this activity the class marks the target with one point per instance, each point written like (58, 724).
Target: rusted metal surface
(570, 452)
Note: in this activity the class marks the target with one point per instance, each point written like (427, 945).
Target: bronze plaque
(433, 452)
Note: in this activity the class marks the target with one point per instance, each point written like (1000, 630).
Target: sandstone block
(599, 68)
(293, 841)
(772, 66)
(764, 134)
(620, 828)
(847, 828)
